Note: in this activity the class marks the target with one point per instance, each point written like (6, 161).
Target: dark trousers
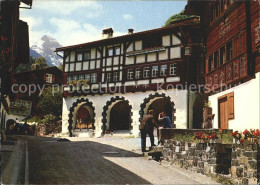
(143, 139)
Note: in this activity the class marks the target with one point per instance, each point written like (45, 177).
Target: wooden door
(223, 113)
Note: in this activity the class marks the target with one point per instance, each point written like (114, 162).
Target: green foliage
(177, 17)
(50, 118)
(51, 101)
(23, 68)
(41, 63)
(35, 119)
(60, 67)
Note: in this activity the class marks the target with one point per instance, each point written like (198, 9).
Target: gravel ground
(107, 160)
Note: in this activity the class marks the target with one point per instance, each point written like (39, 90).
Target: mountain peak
(46, 49)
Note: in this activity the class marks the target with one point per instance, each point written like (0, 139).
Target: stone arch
(145, 105)
(113, 101)
(77, 104)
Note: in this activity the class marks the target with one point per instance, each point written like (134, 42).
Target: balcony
(226, 74)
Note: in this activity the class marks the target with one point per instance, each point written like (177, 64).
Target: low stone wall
(226, 163)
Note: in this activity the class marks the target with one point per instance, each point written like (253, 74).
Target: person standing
(166, 121)
(146, 127)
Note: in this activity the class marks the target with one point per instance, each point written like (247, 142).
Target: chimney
(107, 33)
(130, 31)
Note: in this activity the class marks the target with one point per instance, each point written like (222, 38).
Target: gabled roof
(188, 21)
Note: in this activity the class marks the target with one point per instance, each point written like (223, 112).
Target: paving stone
(235, 162)
(239, 171)
(252, 164)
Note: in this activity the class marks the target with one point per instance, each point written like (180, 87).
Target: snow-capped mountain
(46, 49)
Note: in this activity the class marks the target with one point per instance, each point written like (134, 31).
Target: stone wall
(226, 163)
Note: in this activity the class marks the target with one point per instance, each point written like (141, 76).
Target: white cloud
(127, 16)
(67, 7)
(32, 22)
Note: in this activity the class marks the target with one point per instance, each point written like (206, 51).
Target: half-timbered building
(111, 83)
(231, 34)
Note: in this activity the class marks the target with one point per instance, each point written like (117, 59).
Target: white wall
(179, 97)
(246, 105)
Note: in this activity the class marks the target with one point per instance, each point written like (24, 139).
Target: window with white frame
(155, 71)
(75, 77)
(138, 73)
(87, 76)
(130, 74)
(117, 50)
(163, 70)
(146, 72)
(173, 69)
(116, 76)
(87, 55)
(110, 51)
(81, 77)
(69, 79)
(94, 78)
(109, 77)
(79, 57)
(49, 78)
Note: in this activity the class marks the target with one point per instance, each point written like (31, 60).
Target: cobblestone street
(108, 160)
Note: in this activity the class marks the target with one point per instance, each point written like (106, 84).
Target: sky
(78, 21)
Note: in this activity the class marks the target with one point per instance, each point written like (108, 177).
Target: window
(75, 77)
(94, 78)
(87, 76)
(173, 69)
(118, 50)
(146, 72)
(229, 51)
(110, 52)
(163, 70)
(81, 77)
(72, 67)
(138, 73)
(69, 79)
(222, 55)
(79, 57)
(155, 71)
(216, 59)
(66, 68)
(109, 77)
(130, 74)
(116, 77)
(49, 78)
(210, 61)
(86, 55)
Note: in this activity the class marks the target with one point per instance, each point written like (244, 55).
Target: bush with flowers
(251, 136)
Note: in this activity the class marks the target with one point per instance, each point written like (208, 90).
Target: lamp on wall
(187, 51)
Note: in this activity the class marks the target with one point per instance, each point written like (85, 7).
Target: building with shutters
(27, 87)
(14, 49)
(111, 83)
(231, 35)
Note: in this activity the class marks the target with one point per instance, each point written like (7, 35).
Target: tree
(51, 101)
(40, 62)
(60, 67)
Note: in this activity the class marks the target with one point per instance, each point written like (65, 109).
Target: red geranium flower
(241, 141)
(245, 132)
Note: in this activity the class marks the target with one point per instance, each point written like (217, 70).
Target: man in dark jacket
(147, 127)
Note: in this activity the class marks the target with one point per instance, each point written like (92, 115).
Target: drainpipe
(188, 94)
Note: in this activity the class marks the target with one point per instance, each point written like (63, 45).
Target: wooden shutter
(53, 78)
(45, 77)
(231, 110)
